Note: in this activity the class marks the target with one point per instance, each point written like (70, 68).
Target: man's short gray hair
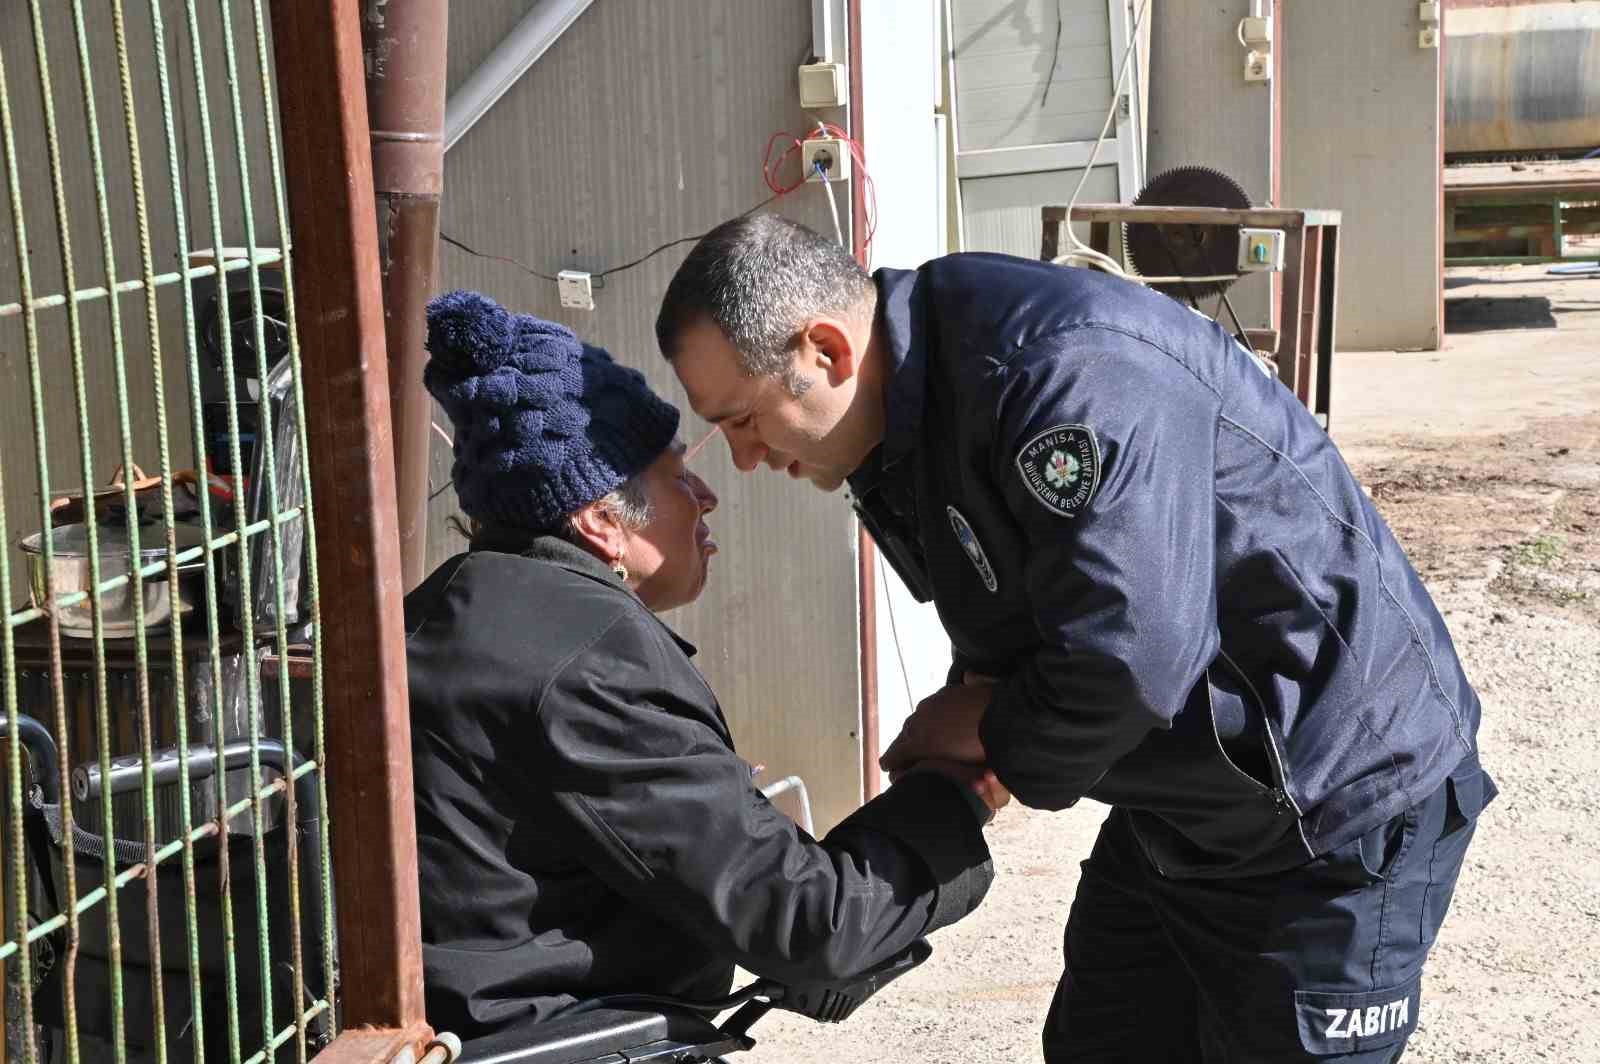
(759, 277)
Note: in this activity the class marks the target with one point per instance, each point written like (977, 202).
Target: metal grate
(168, 892)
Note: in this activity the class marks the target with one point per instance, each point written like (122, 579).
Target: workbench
(1537, 202)
(1301, 345)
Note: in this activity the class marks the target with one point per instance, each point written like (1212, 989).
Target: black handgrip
(127, 773)
(41, 747)
(833, 1002)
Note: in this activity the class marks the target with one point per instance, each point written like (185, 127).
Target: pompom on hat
(544, 424)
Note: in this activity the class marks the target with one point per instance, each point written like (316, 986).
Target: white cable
(894, 630)
(833, 207)
(1081, 251)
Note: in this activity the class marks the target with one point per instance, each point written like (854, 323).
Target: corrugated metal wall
(646, 123)
(16, 418)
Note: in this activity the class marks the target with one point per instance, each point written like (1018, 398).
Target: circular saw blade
(1161, 250)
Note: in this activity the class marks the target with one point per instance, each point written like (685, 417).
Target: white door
(1033, 83)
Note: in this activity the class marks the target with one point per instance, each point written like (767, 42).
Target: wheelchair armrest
(601, 1035)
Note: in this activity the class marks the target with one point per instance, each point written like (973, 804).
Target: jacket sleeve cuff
(1011, 749)
(934, 816)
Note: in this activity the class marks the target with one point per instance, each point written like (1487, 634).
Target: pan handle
(127, 773)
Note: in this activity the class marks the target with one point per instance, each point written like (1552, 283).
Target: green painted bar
(87, 21)
(8, 657)
(213, 200)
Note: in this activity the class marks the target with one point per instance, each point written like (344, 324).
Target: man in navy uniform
(1164, 590)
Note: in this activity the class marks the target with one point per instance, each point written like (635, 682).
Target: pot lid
(72, 540)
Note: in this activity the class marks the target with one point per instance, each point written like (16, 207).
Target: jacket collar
(554, 550)
(899, 323)
(900, 317)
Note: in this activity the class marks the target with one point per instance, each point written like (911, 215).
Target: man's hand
(943, 728)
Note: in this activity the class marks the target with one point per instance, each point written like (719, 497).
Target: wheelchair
(622, 1028)
(614, 1029)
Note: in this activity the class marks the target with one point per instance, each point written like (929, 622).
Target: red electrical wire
(770, 167)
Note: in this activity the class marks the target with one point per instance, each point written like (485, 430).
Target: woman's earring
(620, 569)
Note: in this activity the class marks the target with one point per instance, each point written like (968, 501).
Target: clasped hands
(942, 736)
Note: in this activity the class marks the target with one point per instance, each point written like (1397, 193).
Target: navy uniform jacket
(1196, 613)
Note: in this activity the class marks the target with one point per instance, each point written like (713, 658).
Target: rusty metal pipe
(404, 46)
(327, 164)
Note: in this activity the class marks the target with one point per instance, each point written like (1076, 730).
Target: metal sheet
(1362, 133)
(1203, 113)
(1523, 78)
(645, 123)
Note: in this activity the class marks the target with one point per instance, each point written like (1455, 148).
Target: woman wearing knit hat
(584, 826)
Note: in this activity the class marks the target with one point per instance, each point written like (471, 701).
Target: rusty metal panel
(1522, 78)
(328, 168)
(645, 123)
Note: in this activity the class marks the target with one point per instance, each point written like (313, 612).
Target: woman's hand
(980, 780)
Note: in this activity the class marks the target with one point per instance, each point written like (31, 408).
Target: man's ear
(601, 532)
(829, 340)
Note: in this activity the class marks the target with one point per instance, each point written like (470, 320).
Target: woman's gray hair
(629, 504)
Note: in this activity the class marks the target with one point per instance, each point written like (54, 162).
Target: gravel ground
(1485, 458)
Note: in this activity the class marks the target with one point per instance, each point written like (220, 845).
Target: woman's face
(667, 559)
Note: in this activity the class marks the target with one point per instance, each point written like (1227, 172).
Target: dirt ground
(1485, 458)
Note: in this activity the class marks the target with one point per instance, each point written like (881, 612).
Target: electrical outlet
(576, 289)
(823, 85)
(828, 152)
(1428, 37)
(1260, 250)
(1258, 66)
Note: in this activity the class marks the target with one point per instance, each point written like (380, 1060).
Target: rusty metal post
(339, 309)
(404, 45)
(866, 550)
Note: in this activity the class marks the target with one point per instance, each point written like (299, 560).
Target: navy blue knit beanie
(544, 424)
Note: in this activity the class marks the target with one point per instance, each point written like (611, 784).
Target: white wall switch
(1256, 31)
(1260, 250)
(823, 85)
(576, 289)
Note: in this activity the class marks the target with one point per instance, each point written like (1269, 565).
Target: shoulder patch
(1060, 467)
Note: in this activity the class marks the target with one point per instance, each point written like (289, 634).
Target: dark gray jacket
(1198, 614)
(585, 827)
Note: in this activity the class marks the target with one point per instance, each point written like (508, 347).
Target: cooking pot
(69, 573)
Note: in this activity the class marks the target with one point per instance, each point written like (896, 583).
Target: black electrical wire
(1238, 326)
(448, 239)
(1055, 58)
(598, 275)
